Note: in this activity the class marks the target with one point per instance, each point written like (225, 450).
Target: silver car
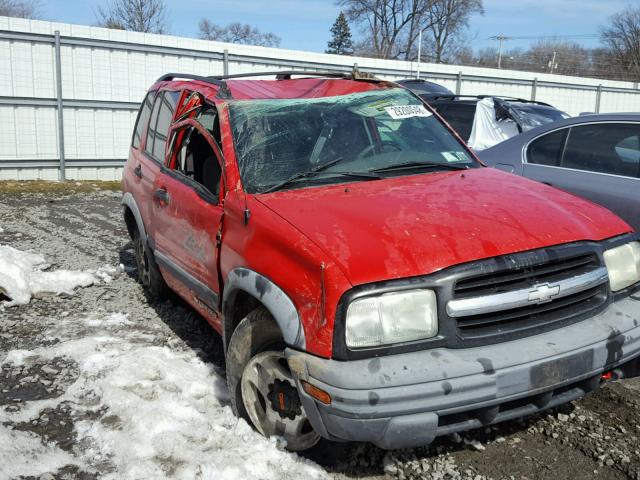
(594, 156)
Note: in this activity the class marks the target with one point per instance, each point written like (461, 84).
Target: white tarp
(487, 131)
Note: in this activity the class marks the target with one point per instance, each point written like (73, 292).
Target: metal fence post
(534, 88)
(458, 83)
(598, 98)
(225, 62)
(59, 105)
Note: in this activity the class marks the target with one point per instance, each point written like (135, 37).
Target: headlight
(392, 318)
(623, 264)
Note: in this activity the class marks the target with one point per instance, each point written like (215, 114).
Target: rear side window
(143, 119)
(611, 148)
(161, 116)
(547, 150)
(460, 117)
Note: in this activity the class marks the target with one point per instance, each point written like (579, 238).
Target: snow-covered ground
(140, 403)
(146, 411)
(97, 381)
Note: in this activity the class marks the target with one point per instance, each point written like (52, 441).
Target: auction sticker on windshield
(398, 112)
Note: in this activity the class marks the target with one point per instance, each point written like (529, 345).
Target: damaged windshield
(292, 143)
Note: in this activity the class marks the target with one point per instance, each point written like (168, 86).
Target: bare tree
(559, 56)
(445, 21)
(237, 33)
(549, 56)
(148, 16)
(19, 8)
(390, 26)
(622, 38)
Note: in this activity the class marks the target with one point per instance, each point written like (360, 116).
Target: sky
(305, 24)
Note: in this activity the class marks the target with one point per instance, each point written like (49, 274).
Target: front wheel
(263, 390)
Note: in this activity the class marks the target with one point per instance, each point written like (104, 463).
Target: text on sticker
(398, 112)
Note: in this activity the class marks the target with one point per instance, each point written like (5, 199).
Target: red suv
(371, 279)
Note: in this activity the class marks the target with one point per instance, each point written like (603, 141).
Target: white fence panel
(105, 74)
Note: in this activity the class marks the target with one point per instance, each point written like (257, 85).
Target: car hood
(415, 225)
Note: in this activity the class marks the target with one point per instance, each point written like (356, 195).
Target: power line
(584, 36)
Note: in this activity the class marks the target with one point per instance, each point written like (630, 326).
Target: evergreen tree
(341, 42)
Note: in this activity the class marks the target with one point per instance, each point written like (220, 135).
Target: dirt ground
(82, 228)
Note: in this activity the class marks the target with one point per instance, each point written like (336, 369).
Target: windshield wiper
(369, 175)
(414, 165)
(304, 174)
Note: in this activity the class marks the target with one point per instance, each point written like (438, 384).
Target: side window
(143, 119)
(197, 160)
(628, 150)
(161, 117)
(208, 117)
(604, 148)
(460, 117)
(547, 150)
(152, 124)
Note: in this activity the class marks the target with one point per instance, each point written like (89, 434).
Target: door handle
(138, 171)
(162, 196)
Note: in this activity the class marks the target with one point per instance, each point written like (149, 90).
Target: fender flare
(276, 301)
(130, 202)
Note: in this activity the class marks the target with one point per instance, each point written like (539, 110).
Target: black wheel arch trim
(129, 202)
(274, 299)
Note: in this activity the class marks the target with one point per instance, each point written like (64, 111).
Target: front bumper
(409, 399)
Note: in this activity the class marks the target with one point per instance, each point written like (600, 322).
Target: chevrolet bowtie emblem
(544, 293)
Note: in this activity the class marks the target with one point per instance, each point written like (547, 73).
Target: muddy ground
(596, 437)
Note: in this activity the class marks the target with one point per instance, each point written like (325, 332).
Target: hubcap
(272, 401)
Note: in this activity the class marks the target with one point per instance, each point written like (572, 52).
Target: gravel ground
(596, 437)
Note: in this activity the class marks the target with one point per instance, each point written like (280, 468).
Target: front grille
(518, 277)
(524, 318)
(522, 274)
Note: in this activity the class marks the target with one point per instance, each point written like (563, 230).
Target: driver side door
(188, 197)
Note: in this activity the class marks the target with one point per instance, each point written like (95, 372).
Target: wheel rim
(142, 262)
(272, 402)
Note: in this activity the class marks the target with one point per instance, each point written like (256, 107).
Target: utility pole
(552, 64)
(501, 38)
(419, 54)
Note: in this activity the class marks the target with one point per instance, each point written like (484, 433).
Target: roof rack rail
(482, 97)
(284, 74)
(172, 76)
(223, 92)
(449, 96)
(287, 74)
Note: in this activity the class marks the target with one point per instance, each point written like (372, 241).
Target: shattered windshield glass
(279, 141)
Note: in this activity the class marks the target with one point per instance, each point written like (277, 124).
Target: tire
(148, 274)
(255, 356)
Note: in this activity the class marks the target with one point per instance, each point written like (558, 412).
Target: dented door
(188, 215)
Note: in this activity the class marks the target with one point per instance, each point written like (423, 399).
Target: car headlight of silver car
(623, 264)
(392, 318)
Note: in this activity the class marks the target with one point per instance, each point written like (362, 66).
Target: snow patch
(112, 320)
(106, 273)
(22, 276)
(22, 454)
(154, 411)
(17, 357)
